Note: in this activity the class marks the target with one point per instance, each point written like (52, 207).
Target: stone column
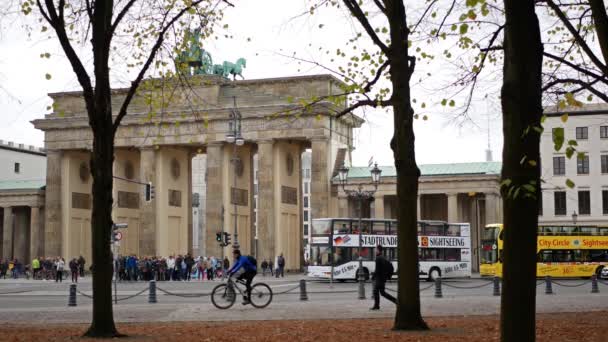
(53, 227)
(320, 178)
(147, 212)
(379, 207)
(492, 208)
(215, 197)
(266, 206)
(452, 207)
(419, 207)
(20, 236)
(35, 238)
(189, 203)
(7, 237)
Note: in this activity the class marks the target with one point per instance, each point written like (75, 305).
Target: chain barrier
(468, 287)
(427, 287)
(329, 292)
(184, 295)
(84, 294)
(540, 283)
(284, 292)
(565, 285)
(132, 296)
(602, 281)
(10, 293)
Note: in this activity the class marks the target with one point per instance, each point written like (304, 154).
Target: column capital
(216, 144)
(265, 141)
(319, 139)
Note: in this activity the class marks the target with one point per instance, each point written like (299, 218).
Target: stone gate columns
(379, 207)
(266, 203)
(320, 177)
(492, 208)
(7, 236)
(35, 236)
(147, 169)
(452, 207)
(53, 215)
(215, 197)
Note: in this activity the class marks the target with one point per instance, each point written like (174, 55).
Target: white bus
(444, 248)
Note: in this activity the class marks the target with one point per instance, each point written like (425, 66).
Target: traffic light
(226, 239)
(218, 236)
(149, 192)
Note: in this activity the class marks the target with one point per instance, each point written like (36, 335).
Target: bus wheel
(434, 273)
(598, 272)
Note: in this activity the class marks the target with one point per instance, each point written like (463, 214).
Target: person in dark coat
(380, 276)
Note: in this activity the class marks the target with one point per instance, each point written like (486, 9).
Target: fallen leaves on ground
(587, 326)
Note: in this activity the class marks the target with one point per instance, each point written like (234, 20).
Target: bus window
(453, 230)
(321, 227)
(489, 233)
(489, 255)
(452, 254)
(433, 229)
(379, 228)
(364, 224)
(603, 231)
(562, 256)
(588, 230)
(341, 227)
(432, 254)
(319, 255)
(569, 230)
(342, 255)
(545, 256)
(367, 253)
(598, 255)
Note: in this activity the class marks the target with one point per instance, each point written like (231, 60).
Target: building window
(306, 173)
(559, 166)
(604, 132)
(584, 203)
(305, 201)
(582, 133)
(17, 167)
(605, 202)
(306, 230)
(305, 187)
(604, 163)
(560, 202)
(582, 165)
(305, 215)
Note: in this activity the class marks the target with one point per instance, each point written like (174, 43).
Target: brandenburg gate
(165, 128)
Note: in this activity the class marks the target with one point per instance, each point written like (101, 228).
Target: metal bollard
(72, 296)
(496, 286)
(361, 285)
(152, 292)
(594, 288)
(548, 287)
(438, 293)
(303, 294)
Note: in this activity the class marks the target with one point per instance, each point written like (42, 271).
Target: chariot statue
(194, 60)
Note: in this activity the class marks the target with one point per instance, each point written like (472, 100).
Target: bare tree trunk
(600, 20)
(522, 111)
(408, 316)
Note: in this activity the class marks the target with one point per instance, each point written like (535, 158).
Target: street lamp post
(234, 137)
(574, 217)
(360, 195)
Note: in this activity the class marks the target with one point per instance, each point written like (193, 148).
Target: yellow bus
(562, 250)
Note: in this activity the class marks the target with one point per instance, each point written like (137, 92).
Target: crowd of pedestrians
(173, 268)
(268, 267)
(42, 268)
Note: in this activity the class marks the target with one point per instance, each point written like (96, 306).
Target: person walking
(59, 264)
(74, 268)
(81, 263)
(264, 267)
(35, 267)
(384, 271)
(281, 266)
(271, 267)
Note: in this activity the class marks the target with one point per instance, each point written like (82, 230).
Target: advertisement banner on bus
(572, 242)
(352, 240)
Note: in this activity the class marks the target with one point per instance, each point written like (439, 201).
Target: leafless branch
(356, 10)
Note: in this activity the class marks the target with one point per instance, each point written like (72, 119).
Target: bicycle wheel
(223, 296)
(261, 295)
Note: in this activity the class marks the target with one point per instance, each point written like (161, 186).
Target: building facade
(22, 180)
(586, 128)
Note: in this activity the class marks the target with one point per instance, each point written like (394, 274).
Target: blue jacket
(242, 261)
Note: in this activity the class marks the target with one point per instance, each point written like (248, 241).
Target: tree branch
(121, 15)
(135, 84)
(367, 88)
(575, 67)
(361, 103)
(58, 25)
(577, 37)
(600, 19)
(584, 84)
(428, 8)
(380, 6)
(356, 11)
(445, 17)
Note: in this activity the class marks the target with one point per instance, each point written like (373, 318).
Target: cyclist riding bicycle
(243, 269)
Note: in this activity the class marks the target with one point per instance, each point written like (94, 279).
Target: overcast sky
(272, 32)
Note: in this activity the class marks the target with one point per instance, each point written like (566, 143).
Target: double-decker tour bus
(444, 248)
(562, 251)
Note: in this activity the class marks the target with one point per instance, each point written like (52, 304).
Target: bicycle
(223, 296)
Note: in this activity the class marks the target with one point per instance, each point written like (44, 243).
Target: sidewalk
(550, 328)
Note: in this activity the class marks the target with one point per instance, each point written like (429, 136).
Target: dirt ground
(588, 326)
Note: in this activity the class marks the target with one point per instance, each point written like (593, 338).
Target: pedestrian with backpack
(384, 271)
(281, 266)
